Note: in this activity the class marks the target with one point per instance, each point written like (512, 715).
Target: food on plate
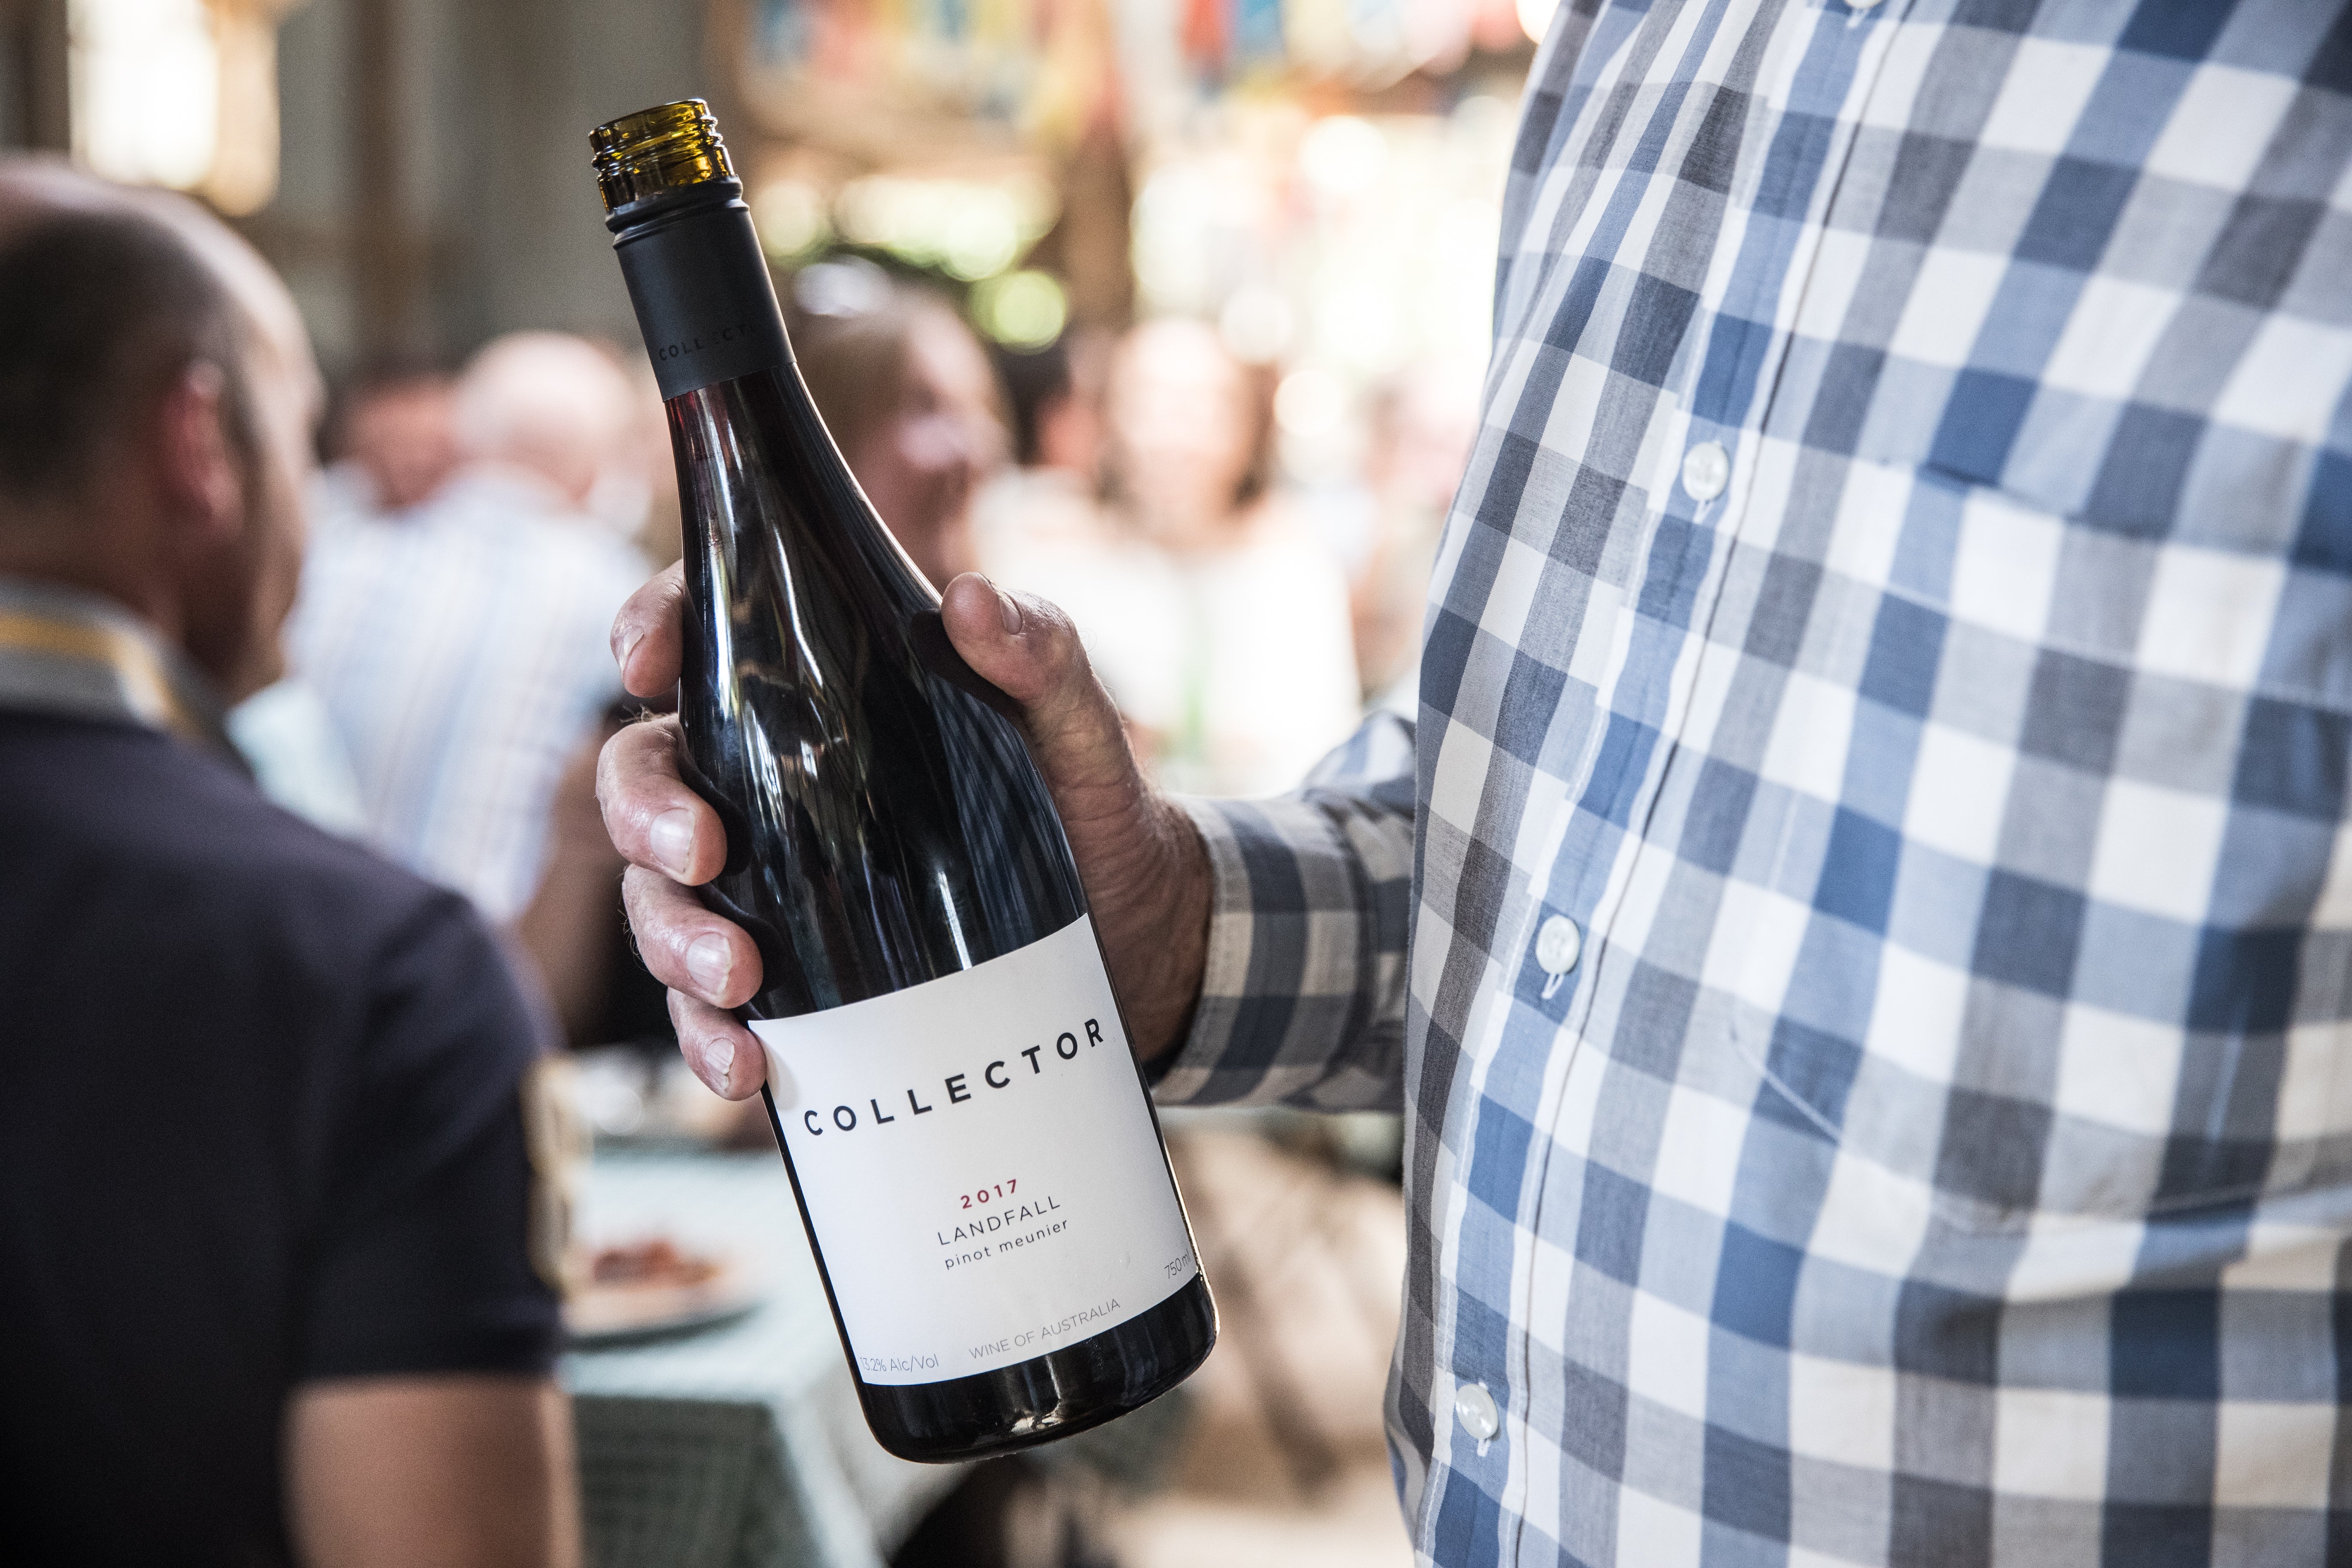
(656, 1262)
(624, 1290)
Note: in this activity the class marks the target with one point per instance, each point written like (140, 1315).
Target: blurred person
(1042, 524)
(268, 1291)
(1857, 927)
(390, 439)
(1422, 424)
(1048, 502)
(1056, 401)
(636, 493)
(910, 399)
(458, 646)
(392, 436)
(1224, 631)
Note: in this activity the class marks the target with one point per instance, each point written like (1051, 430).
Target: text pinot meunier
(956, 1088)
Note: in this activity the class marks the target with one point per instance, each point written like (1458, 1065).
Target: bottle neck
(700, 285)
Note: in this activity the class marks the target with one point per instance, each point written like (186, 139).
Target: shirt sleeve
(1304, 997)
(422, 1260)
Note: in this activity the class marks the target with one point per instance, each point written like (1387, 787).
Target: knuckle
(1048, 616)
(610, 761)
(636, 782)
(645, 900)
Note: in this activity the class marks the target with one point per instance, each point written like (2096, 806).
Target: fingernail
(711, 961)
(628, 647)
(672, 838)
(1007, 611)
(719, 1061)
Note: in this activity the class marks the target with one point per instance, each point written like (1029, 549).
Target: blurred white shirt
(1238, 664)
(461, 649)
(288, 739)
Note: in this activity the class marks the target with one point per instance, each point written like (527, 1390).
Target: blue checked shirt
(1861, 930)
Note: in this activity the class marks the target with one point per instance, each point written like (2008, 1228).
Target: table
(743, 1445)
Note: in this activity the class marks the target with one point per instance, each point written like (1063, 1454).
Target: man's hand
(1146, 874)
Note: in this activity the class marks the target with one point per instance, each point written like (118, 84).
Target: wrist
(1176, 934)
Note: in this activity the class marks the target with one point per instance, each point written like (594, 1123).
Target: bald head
(117, 289)
(156, 396)
(545, 402)
(34, 188)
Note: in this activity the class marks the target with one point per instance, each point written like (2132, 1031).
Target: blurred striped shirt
(461, 648)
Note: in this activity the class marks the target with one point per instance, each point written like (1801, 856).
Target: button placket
(1475, 1409)
(1707, 472)
(1559, 947)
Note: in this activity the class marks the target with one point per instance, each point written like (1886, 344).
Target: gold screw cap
(667, 148)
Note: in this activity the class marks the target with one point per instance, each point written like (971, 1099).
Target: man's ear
(195, 462)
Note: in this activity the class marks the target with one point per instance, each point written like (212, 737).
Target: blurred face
(404, 437)
(920, 464)
(1181, 429)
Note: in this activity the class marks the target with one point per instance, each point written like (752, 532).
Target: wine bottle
(971, 1140)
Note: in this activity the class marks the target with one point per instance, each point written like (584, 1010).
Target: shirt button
(1474, 1408)
(1862, 5)
(1707, 468)
(1559, 944)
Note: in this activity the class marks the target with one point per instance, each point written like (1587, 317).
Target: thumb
(1147, 877)
(1029, 650)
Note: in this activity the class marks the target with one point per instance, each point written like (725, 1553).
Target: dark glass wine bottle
(970, 1141)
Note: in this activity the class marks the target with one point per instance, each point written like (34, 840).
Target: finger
(722, 1053)
(653, 820)
(1029, 650)
(686, 946)
(649, 634)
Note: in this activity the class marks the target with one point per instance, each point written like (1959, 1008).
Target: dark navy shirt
(260, 1123)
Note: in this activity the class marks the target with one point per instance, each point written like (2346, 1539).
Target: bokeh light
(970, 229)
(1021, 310)
(146, 89)
(1343, 155)
(791, 217)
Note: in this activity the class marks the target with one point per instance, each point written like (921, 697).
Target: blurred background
(1172, 311)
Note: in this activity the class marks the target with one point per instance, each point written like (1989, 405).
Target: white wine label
(980, 1163)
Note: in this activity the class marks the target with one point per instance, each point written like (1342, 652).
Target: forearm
(459, 1471)
(1301, 990)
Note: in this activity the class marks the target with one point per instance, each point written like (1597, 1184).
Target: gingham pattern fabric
(1900, 611)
